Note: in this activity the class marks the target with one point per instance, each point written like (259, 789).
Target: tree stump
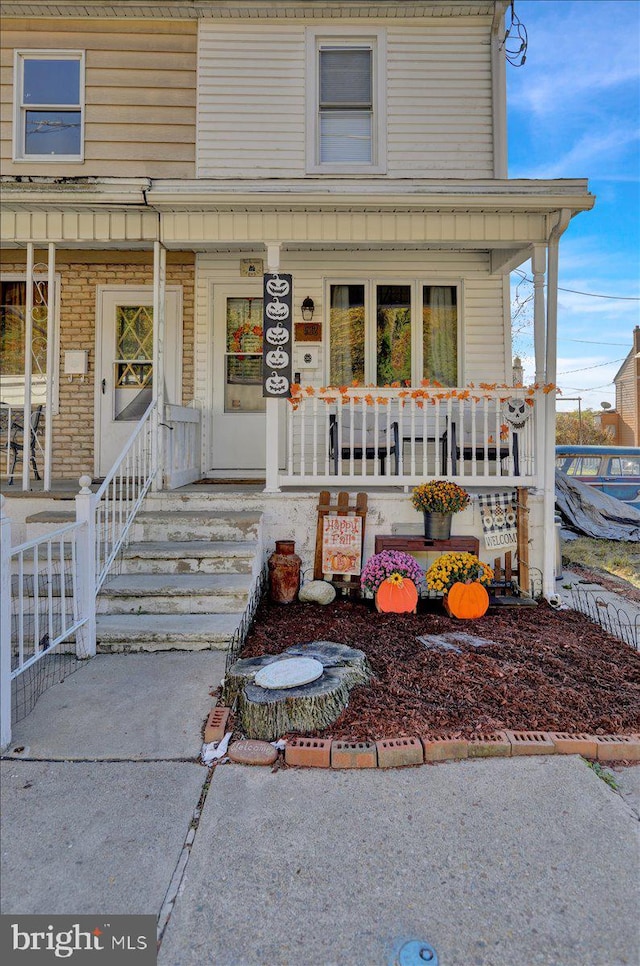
(267, 714)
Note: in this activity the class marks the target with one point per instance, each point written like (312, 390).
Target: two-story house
(157, 158)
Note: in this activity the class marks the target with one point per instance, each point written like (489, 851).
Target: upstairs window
(345, 121)
(49, 100)
(346, 105)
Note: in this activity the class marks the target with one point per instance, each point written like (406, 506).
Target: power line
(593, 295)
(592, 342)
(588, 368)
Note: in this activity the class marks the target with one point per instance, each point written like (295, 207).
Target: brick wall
(80, 274)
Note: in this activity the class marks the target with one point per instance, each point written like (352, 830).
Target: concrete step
(190, 557)
(151, 632)
(174, 594)
(187, 525)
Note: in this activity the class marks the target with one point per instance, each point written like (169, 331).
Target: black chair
(16, 443)
(353, 442)
(491, 452)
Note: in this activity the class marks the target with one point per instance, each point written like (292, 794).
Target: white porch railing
(404, 436)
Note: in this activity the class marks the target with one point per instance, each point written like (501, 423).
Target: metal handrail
(120, 495)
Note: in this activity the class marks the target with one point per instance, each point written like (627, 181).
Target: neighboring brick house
(158, 156)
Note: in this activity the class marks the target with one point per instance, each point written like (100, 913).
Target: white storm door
(124, 365)
(238, 414)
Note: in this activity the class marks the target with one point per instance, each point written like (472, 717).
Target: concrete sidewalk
(513, 862)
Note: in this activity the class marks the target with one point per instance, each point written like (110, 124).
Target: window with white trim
(346, 123)
(49, 106)
(402, 332)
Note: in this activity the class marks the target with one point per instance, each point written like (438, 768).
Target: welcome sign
(276, 345)
(498, 512)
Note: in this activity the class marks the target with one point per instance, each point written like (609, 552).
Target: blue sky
(574, 112)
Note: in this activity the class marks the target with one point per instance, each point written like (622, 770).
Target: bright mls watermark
(83, 940)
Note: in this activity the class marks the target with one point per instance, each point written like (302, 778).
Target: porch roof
(242, 9)
(502, 216)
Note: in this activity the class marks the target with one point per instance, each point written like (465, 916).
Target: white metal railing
(11, 419)
(49, 585)
(403, 436)
(120, 496)
(40, 604)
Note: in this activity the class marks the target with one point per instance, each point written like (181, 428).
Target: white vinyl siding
(439, 108)
(250, 101)
(436, 90)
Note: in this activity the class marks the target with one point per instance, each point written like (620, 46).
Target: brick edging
(439, 746)
(399, 752)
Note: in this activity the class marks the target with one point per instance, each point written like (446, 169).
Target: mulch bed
(544, 670)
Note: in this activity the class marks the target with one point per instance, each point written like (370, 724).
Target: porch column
(272, 443)
(538, 265)
(159, 295)
(28, 369)
(551, 367)
(52, 304)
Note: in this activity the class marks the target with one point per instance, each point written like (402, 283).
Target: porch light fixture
(308, 308)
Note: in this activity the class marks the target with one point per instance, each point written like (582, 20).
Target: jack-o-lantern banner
(276, 346)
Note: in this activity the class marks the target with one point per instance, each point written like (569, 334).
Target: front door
(124, 364)
(238, 420)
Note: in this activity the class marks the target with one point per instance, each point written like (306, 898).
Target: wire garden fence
(614, 619)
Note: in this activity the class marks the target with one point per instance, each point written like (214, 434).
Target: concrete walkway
(505, 862)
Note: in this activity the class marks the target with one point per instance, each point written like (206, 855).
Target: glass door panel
(440, 334)
(393, 334)
(243, 357)
(346, 335)
(133, 365)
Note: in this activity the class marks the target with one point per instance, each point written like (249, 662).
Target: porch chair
(361, 444)
(461, 448)
(16, 443)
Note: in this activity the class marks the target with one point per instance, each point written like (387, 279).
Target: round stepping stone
(250, 752)
(290, 673)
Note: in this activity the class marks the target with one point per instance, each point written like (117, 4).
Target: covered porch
(354, 436)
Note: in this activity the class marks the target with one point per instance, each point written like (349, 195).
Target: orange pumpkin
(395, 596)
(467, 601)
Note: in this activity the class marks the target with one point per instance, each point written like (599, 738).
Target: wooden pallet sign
(340, 540)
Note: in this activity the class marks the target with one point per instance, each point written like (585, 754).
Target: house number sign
(276, 347)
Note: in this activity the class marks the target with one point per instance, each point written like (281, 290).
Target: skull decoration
(277, 385)
(277, 359)
(278, 311)
(278, 287)
(515, 412)
(277, 335)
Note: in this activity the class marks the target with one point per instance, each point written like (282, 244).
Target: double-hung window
(346, 104)
(49, 105)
